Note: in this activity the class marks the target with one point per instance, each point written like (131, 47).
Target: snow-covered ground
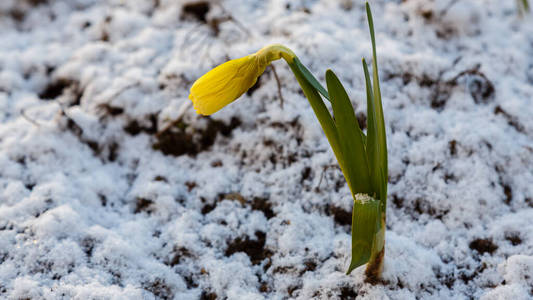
(99, 201)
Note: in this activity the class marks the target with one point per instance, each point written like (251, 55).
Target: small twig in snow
(23, 114)
(279, 86)
(235, 21)
(445, 10)
(324, 169)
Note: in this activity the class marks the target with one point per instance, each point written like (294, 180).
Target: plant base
(374, 268)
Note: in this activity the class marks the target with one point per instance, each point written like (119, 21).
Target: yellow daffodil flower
(227, 82)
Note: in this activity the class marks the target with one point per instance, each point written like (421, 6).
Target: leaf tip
(330, 75)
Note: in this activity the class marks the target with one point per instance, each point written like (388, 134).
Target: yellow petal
(227, 82)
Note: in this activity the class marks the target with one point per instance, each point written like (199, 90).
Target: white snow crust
(250, 203)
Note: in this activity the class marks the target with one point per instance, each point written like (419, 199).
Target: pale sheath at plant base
(362, 158)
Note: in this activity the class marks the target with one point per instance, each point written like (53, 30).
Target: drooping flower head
(227, 82)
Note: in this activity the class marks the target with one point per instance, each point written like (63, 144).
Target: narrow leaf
(323, 115)
(363, 136)
(383, 190)
(372, 146)
(350, 138)
(316, 84)
(378, 242)
(310, 78)
(380, 121)
(364, 227)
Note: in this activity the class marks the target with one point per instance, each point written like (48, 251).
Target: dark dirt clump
(263, 205)
(197, 10)
(177, 255)
(255, 249)
(208, 296)
(177, 140)
(135, 127)
(55, 89)
(87, 245)
(257, 203)
(143, 205)
(514, 239)
(348, 293)
(483, 246)
(341, 216)
(160, 289)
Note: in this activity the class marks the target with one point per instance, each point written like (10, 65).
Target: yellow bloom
(227, 82)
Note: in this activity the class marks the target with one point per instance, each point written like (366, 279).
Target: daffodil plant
(362, 158)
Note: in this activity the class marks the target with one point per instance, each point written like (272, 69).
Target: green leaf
(310, 78)
(383, 190)
(350, 138)
(365, 217)
(378, 242)
(322, 114)
(372, 146)
(380, 121)
(316, 84)
(363, 136)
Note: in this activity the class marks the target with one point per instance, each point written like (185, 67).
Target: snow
(97, 203)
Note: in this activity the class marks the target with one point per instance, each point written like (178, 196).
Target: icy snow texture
(254, 207)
